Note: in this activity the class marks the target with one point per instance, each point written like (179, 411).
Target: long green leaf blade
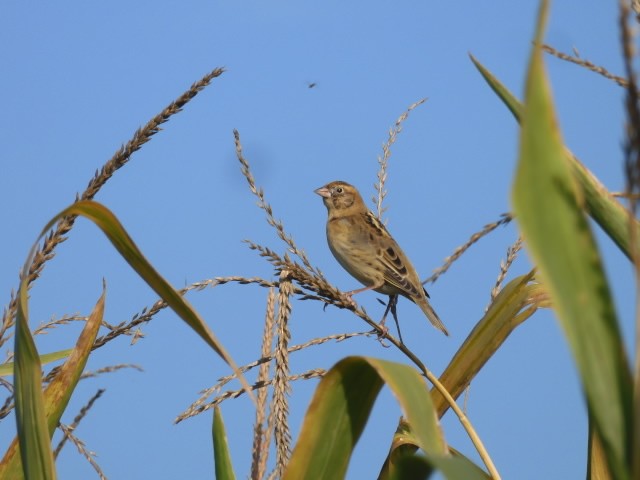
(58, 392)
(118, 236)
(411, 393)
(31, 421)
(403, 462)
(7, 368)
(504, 315)
(549, 211)
(334, 421)
(417, 467)
(601, 205)
(341, 407)
(515, 303)
(221, 454)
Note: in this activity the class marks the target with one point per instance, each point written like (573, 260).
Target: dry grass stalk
(281, 386)
(632, 143)
(386, 154)
(586, 64)
(146, 314)
(121, 157)
(6, 384)
(229, 394)
(8, 403)
(68, 433)
(262, 467)
(632, 186)
(632, 137)
(264, 205)
(262, 436)
(126, 328)
(195, 407)
(76, 421)
(7, 406)
(110, 369)
(45, 327)
(512, 254)
(53, 323)
(327, 292)
(457, 253)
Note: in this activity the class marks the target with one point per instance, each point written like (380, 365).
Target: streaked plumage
(365, 249)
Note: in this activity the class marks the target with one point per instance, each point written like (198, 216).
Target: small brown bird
(365, 249)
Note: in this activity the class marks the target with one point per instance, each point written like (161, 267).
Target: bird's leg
(386, 311)
(393, 303)
(351, 293)
(391, 307)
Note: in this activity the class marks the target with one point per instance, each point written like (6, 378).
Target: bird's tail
(432, 315)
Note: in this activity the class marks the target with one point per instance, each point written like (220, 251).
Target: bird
(366, 250)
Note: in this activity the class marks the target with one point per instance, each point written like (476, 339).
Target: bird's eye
(339, 190)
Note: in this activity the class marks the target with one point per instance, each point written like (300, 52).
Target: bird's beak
(323, 192)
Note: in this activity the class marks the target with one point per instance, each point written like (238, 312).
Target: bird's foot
(348, 297)
(381, 333)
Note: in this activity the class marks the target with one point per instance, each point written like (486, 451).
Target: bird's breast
(354, 249)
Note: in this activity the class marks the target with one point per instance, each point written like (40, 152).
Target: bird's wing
(396, 268)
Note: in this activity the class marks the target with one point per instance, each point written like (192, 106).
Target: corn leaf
(403, 463)
(548, 208)
(7, 368)
(511, 307)
(58, 392)
(117, 235)
(31, 421)
(341, 407)
(600, 204)
(221, 454)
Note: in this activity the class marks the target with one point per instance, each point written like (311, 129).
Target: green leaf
(31, 417)
(510, 101)
(59, 390)
(508, 310)
(334, 421)
(221, 454)
(57, 394)
(410, 467)
(403, 463)
(7, 368)
(117, 235)
(31, 421)
(515, 303)
(601, 205)
(411, 393)
(548, 208)
(417, 467)
(404, 444)
(340, 409)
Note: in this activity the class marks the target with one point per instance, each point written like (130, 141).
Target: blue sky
(79, 78)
